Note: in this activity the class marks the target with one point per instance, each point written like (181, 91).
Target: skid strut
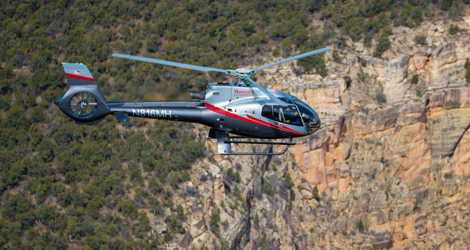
(224, 145)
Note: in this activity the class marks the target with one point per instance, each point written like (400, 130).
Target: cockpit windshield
(293, 114)
(311, 121)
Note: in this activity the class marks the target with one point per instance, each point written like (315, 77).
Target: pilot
(276, 112)
(296, 118)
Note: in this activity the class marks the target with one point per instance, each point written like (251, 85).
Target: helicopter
(244, 108)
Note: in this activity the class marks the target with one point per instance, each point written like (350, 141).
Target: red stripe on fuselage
(80, 77)
(282, 128)
(251, 120)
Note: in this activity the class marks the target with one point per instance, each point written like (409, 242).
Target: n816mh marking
(151, 113)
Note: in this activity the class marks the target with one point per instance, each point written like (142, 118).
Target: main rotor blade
(266, 91)
(294, 58)
(169, 63)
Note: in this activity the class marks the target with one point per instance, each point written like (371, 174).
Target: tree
(15, 204)
(313, 62)
(415, 79)
(445, 4)
(233, 175)
(383, 44)
(360, 226)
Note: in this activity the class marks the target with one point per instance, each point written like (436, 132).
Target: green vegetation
(256, 219)
(379, 94)
(383, 44)
(268, 188)
(315, 193)
(214, 222)
(419, 91)
(336, 57)
(289, 181)
(467, 70)
(420, 39)
(175, 221)
(454, 29)
(360, 226)
(415, 79)
(233, 175)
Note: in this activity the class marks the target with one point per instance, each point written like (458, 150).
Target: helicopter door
(289, 114)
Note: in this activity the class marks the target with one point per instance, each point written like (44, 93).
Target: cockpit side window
(267, 111)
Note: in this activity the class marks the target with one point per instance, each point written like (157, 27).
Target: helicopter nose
(314, 124)
(318, 122)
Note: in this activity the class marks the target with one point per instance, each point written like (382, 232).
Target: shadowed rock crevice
(458, 141)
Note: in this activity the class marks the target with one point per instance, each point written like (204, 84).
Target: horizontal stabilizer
(121, 116)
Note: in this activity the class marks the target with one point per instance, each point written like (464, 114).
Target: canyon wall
(380, 174)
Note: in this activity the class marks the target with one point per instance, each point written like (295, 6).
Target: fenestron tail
(83, 101)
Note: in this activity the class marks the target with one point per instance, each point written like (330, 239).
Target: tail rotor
(83, 101)
(83, 104)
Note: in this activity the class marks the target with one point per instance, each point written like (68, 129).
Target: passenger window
(289, 115)
(267, 111)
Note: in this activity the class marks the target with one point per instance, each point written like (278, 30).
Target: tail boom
(176, 111)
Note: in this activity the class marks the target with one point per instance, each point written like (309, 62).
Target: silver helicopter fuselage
(249, 112)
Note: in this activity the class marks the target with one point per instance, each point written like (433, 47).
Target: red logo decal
(243, 92)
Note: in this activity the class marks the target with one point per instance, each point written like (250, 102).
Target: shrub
(415, 79)
(360, 226)
(467, 68)
(336, 56)
(276, 52)
(233, 175)
(315, 193)
(419, 92)
(268, 188)
(256, 219)
(381, 98)
(382, 46)
(445, 4)
(289, 181)
(454, 29)
(420, 39)
(314, 62)
(214, 221)
(379, 95)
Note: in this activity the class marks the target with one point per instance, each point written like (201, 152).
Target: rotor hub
(243, 71)
(83, 104)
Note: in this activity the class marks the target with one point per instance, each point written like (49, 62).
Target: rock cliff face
(378, 175)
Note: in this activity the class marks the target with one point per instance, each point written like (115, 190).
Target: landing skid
(224, 144)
